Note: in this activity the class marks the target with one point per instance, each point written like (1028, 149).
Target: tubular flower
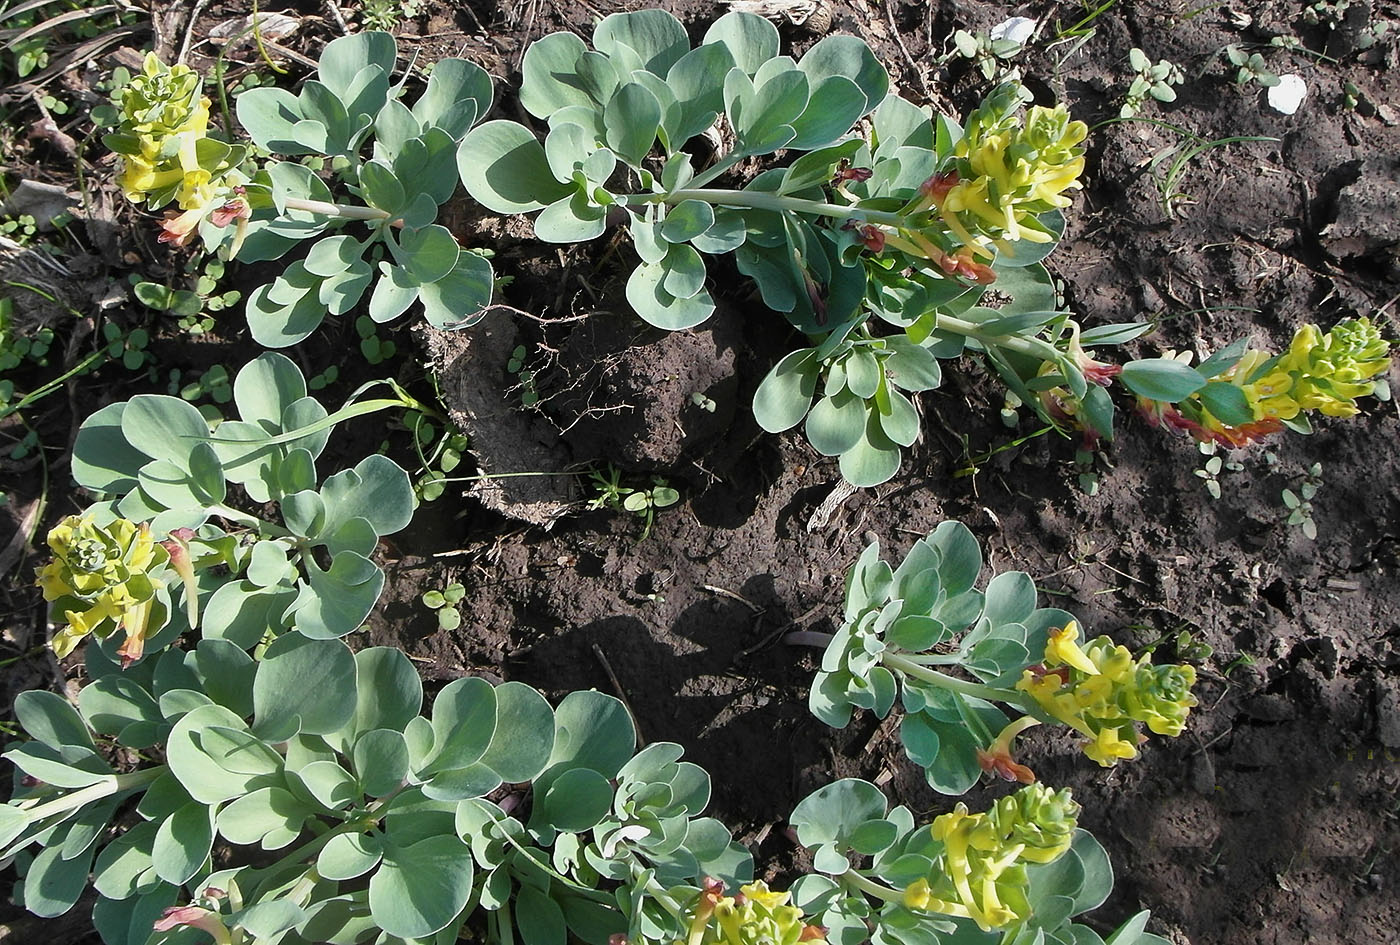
(996, 758)
(1100, 691)
(755, 915)
(163, 110)
(1319, 372)
(1011, 169)
(167, 154)
(1330, 371)
(1006, 170)
(981, 873)
(102, 578)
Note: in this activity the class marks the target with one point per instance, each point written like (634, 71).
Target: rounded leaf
(504, 167)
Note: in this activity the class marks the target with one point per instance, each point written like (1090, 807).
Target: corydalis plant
(1017, 872)
(901, 623)
(343, 813)
(167, 471)
(909, 227)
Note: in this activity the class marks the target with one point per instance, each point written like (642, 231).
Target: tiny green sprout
(437, 462)
(445, 602)
(319, 381)
(1214, 465)
(1191, 648)
(1088, 476)
(22, 229)
(129, 348)
(1250, 67)
(1244, 660)
(387, 14)
(1149, 81)
(1299, 504)
(990, 50)
(375, 350)
(610, 493)
(529, 393)
(704, 403)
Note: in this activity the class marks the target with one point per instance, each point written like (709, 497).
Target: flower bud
(102, 577)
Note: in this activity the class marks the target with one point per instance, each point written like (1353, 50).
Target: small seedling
(21, 229)
(1149, 81)
(1215, 464)
(612, 494)
(375, 350)
(704, 403)
(1192, 649)
(1250, 67)
(529, 394)
(213, 383)
(988, 52)
(445, 603)
(1299, 504)
(387, 14)
(129, 348)
(319, 381)
(437, 462)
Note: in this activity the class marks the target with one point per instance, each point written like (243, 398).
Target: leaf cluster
(642, 86)
(406, 256)
(160, 461)
(347, 814)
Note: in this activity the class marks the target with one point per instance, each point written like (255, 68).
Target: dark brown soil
(1275, 818)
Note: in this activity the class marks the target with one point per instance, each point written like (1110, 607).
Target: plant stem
(761, 200)
(52, 385)
(1034, 347)
(878, 890)
(335, 210)
(700, 180)
(962, 687)
(95, 792)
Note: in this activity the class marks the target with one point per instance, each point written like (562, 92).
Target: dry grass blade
(80, 53)
(54, 22)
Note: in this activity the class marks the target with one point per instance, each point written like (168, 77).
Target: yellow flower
(102, 578)
(1062, 650)
(1100, 691)
(981, 872)
(1107, 747)
(755, 916)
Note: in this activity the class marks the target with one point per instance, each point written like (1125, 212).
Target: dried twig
(621, 693)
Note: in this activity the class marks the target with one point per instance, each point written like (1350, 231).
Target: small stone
(1388, 713)
(1270, 708)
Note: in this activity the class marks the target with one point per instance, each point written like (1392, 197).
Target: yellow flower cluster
(102, 578)
(1100, 691)
(981, 873)
(755, 916)
(1010, 170)
(163, 110)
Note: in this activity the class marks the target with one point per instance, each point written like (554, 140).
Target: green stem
(95, 792)
(851, 878)
(700, 180)
(52, 385)
(1034, 347)
(335, 210)
(962, 687)
(344, 413)
(761, 200)
(252, 521)
(594, 894)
